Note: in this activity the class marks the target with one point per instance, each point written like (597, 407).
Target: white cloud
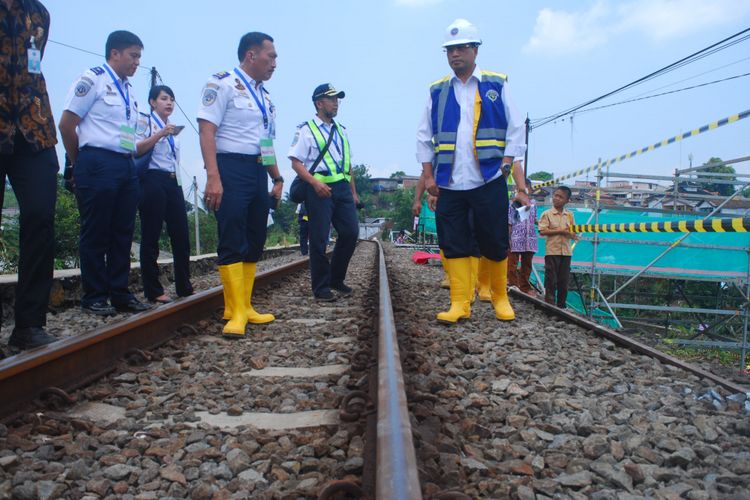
(561, 32)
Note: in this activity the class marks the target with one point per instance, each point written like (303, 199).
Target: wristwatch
(278, 179)
(524, 190)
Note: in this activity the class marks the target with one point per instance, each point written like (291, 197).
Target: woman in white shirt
(162, 199)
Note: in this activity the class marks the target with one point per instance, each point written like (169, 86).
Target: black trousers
(107, 189)
(33, 176)
(556, 274)
(162, 201)
(340, 211)
(471, 218)
(243, 214)
(304, 235)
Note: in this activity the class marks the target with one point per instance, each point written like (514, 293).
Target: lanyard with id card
(127, 131)
(35, 58)
(267, 153)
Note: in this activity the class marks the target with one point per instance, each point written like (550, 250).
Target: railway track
(323, 402)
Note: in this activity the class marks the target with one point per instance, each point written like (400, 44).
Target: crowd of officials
(123, 158)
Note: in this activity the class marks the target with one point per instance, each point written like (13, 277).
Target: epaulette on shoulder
(221, 74)
(97, 70)
(301, 124)
(445, 78)
(502, 76)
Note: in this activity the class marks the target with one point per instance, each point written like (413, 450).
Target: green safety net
(724, 256)
(426, 220)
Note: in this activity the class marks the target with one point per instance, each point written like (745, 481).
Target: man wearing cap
(236, 121)
(468, 136)
(331, 195)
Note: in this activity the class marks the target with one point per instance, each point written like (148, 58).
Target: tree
(398, 174)
(541, 176)
(67, 230)
(361, 178)
(722, 189)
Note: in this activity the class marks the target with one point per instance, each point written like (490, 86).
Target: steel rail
(627, 342)
(73, 362)
(397, 477)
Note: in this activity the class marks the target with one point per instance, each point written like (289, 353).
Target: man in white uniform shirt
(331, 195)
(467, 139)
(98, 130)
(237, 127)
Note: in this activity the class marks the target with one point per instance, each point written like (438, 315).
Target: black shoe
(29, 338)
(326, 296)
(99, 308)
(133, 305)
(342, 289)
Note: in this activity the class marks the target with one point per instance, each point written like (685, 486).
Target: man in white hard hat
(467, 139)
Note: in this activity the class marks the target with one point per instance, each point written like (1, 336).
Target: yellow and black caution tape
(671, 140)
(734, 225)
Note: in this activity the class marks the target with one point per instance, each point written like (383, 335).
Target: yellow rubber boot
(499, 286)
(248, 270)
(227, 301)
(459, 271)
(474, 279)
(483, 280)
(234, 290)
(446, 283)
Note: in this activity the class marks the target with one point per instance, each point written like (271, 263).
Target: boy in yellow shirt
(556, 225)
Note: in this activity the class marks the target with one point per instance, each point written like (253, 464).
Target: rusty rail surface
(73, 362)
(629, 343)
(396, 476)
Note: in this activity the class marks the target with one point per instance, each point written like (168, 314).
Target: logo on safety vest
(492, 95)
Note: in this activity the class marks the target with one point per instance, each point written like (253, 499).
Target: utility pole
(526, 154)
(153, 76)
(195, 212)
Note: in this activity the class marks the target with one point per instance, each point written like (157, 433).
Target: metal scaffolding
(711, 321)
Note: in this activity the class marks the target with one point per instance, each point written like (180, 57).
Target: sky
(384, 54)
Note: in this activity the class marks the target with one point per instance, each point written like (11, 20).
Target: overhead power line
(142, 66)
(663, 93)
(705, 52)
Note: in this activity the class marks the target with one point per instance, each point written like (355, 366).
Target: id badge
(127, 138)
(267, 153)
(35, 61)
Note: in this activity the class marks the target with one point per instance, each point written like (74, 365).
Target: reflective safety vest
(490, 125)
(334, 171)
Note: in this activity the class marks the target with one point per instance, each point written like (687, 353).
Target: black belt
(243, 157)
(164, 173)
(108, 151)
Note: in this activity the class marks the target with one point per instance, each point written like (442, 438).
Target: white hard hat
(461, 31)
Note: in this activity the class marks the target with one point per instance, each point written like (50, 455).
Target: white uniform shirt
(227, 103)
(305, 148)
(466, 174)
(94, 98)
(162, 158)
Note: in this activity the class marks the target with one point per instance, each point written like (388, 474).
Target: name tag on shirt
(35, 61)
(267, 153)
(127, 138)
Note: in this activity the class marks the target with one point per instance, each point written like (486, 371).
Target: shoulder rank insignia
(301, 124)
(221, 74)
(97, 70)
